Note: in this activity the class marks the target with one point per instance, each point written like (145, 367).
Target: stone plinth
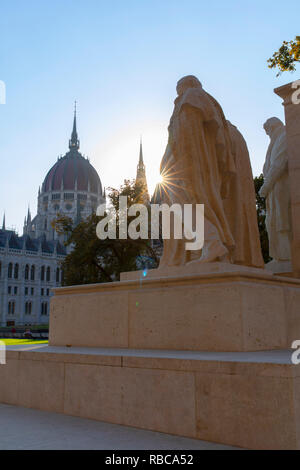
(292, 119)
(237, 310)
(249, 400)
(190, 269)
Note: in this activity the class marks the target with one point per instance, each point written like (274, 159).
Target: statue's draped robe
(278, 218)
(202, 164)
(198, 164)
(240, 205)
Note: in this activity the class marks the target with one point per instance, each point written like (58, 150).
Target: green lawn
(13, 342)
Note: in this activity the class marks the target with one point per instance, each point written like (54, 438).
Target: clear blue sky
(121, 59)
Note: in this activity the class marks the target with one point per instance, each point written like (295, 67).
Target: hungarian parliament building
(30, 265)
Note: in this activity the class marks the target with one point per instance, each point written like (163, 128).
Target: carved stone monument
(291, 102)
(166, 351)
(207, 162)
(276, 190)
(218, 298)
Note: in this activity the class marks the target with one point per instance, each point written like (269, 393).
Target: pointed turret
(141, 173)
(3, 223)
(141, 159)
(141, 170)
(28, 216)
(25, 227)
(74, 142)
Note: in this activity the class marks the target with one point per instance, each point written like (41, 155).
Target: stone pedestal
(150, 352)
(292, 119)
(222, 308)
(249, 400)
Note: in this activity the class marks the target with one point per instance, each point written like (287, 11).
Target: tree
(261, 218)
(93, 260)
(286, 57)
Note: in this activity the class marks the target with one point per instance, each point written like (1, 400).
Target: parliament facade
(30, 265)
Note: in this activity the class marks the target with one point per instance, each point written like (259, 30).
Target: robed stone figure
(202, 165)
(276, 190)
(240, 205)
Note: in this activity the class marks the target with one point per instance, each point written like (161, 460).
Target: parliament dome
(72, 172)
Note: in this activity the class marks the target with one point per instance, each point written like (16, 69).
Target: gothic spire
(3, 224)
(74, 142)
(141, 159)
(141, 173)
(28, 215)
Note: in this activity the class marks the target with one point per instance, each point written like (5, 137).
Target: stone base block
(239, 309)
(249, 400)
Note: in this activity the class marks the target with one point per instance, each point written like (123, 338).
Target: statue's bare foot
(214, 251)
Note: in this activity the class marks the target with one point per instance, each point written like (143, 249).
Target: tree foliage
(261, 218)
(286, 57)
(92, 260)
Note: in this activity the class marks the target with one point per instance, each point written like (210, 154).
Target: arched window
(11, 307)
(28, 308)
(32, 273)
(57, 274)
(26, 272)
(10, 270)
(42, 273)
(16, 272)
(44, 308)
(0, 268)
(48, 273)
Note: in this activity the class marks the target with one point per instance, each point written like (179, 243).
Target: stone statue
(276, 190)
(204, 159)
(240, 205)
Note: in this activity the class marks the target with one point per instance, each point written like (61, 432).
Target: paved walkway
(23, 428)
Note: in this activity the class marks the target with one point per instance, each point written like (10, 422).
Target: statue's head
(190, 81)
(272, 124)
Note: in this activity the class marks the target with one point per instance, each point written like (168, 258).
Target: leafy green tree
(261, 218)
(93, 260)
(286, 57)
